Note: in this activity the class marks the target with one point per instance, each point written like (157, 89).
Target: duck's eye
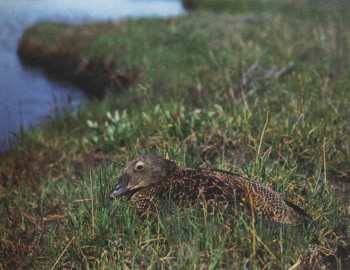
(139, 166)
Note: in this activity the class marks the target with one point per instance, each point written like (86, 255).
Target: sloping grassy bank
(265, 94)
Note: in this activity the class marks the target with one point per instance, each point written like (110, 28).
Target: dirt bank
(94, 76)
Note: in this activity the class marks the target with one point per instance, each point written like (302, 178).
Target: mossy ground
(260, 91)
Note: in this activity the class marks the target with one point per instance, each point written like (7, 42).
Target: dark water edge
(27, 96)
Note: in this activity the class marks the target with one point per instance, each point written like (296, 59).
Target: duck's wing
(186, 186)
(198, 183)
(263, 201)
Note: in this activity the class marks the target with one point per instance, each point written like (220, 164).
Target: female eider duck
(149, 181)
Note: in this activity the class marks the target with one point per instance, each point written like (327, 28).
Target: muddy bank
(94, 76)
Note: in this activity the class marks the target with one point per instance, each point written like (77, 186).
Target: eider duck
(149, 180)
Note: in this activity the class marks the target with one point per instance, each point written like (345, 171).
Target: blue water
(26, 95)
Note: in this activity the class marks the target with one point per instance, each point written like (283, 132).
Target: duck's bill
(118, 190)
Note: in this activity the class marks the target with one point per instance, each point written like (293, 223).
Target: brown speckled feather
(149, 181)
(265, 202)
(183, 187)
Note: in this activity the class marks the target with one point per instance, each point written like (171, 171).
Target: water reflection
(26, 96)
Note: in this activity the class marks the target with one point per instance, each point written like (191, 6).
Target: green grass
(289, 133)
(73, 221)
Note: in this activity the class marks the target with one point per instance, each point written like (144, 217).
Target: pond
(27, 97)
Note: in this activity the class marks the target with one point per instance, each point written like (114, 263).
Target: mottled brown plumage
(149, 181)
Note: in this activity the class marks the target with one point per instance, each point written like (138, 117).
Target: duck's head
(142, 172)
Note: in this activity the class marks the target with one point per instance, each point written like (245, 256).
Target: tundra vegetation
(260, 88)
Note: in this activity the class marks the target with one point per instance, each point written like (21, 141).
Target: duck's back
(209, 186)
